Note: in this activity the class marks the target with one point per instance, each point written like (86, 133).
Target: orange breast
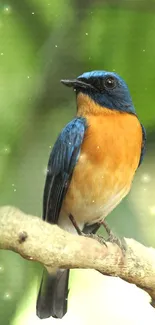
(109, 157)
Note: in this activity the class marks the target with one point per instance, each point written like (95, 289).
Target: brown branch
(37, 240)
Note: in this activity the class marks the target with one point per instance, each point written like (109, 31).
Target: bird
(90, 169)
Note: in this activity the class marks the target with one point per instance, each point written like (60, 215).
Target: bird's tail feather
(53, 293)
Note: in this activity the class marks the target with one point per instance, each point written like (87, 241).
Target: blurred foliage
(42, 41)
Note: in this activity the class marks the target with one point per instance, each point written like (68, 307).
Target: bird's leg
(74, 223)
(86, 232)
(113, 238)
(106, 227)
(90, 231)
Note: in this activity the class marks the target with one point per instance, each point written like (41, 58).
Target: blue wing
(62, 161)
(143, 145)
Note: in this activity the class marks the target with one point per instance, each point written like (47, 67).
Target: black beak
(75, 83)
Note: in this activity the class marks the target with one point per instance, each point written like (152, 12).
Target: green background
(42, 41)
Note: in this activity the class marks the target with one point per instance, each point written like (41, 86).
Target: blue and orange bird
(90, 169)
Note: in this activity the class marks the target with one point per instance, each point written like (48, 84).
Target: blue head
(107, 89)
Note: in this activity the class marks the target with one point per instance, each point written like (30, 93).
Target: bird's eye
(110, 83)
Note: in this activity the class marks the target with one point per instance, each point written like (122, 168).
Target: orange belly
(108, 160)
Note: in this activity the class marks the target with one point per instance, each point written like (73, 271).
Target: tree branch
(48, 244)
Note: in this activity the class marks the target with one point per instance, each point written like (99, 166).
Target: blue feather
(62, 161)
(143, 149)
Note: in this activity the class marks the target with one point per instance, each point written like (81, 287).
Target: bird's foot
(112, 238)
(99, 238)
(118, 241)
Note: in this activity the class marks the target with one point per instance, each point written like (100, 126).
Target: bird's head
(107, 89)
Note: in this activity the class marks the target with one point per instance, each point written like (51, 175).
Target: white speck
(114, 70)
(56, 45)
(98, 147)
(144, 50)
(86, 34)
(45, 171)
(7, 296)
(93, 201)
(6, 150)
(33, 13)
(28, 77)
(152, 209)
(7, 9)
(145, 178)
(102, 176)
(30, 258)
(2, 53)
(13, 184)
(50, 147)
(14, 190)
(144, 189)
(70, 143)
(1, 269)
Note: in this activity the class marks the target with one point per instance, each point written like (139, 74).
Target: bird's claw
(118, 241)
(99, 238)
(114, 239)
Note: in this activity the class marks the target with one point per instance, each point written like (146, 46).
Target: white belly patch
(87, 210)
(100, 212)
